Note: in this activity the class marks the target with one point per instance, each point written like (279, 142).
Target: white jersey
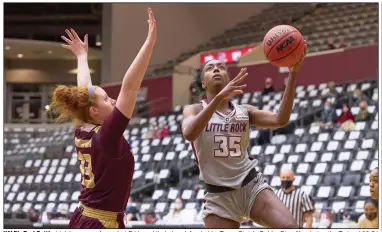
(222, 148)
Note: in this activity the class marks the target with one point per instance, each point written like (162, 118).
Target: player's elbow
(282, 121)
(189, 136)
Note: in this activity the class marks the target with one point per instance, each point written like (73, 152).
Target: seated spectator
(370, 220)
(62, 213)
(150, 217)
(358, 97)
(268, 86)
(328, 116)
(346, 119)
(150, 132)
(180, 215)
(374, 184)
(347, 222)
(332, 93)
(342, 42)
(326, 220)
(363, 114)
(131, 212)
(332, 46)
(162, 130)
(33, 215)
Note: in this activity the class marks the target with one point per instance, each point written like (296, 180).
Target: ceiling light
(98, 41)
(75, 71)
(20, 55)
(7, 47)
(50, 52)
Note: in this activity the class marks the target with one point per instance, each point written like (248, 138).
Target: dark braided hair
(372, 201)
(198, 80)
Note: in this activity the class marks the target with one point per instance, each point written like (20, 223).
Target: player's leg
(213, 221)
(121, 223)
(221, 211)
(270, 212)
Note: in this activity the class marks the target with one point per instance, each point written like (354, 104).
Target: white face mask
(178, 205)
(324, 223)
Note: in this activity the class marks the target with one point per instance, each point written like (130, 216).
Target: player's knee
(290, 225)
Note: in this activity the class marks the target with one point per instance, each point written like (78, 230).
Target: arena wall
(342, 65)
(47, 71)
(159, 90)
(181, 27)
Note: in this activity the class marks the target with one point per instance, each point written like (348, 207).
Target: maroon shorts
(79, 221)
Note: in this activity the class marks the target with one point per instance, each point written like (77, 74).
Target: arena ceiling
(47, 21)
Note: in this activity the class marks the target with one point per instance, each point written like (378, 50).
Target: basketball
(283, 46)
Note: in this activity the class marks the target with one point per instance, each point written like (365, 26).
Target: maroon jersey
(106, 163)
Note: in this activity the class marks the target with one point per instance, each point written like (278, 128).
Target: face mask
(370, 216)
(129, 206)
(178, 205)
(355, 97)
(326, 108)
(324, 223)
(286, 184)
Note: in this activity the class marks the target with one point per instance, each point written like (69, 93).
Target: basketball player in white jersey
(219, 132)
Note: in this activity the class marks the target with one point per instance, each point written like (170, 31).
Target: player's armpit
(265, 119)
(126, 102)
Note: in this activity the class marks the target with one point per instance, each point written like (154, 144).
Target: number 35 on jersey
(229, 146)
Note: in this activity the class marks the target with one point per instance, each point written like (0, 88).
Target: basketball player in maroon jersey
(222, 152)
(106, 160)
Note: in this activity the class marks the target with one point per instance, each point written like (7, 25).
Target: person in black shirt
(268, 86)
(131, 213)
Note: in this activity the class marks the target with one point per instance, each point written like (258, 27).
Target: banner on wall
(228, 56)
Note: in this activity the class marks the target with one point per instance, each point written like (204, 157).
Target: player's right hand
(152, 34)
(75, 44)
(233, 87)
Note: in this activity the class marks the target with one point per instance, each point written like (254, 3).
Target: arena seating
(356, 22)
(41, 166)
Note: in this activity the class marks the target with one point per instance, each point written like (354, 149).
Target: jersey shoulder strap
(241, 110)
(203, 104)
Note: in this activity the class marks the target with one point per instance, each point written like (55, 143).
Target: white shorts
(236, 204)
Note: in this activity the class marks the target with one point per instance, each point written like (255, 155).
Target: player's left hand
(75, 44)
(152, 34)
(297, 66)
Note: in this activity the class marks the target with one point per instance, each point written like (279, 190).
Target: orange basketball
(283, 46)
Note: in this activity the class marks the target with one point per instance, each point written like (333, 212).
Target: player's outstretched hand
(74, 43)
(233, 87)
(297, 66)
(152, 34)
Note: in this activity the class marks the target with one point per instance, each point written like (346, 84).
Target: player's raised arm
(194, 120)
(266, 119)
(80, 49)
(134, 75)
